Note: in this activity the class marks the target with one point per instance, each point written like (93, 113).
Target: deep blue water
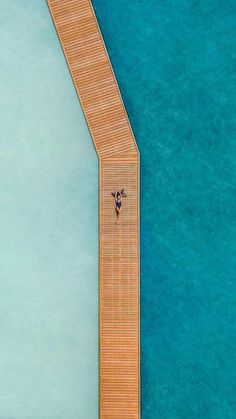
(176, 66)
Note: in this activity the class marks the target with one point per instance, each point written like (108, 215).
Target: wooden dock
(118, 154)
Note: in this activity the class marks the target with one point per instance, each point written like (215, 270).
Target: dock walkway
(118, 154)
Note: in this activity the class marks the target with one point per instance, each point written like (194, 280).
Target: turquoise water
(176, 65)
(48, 229)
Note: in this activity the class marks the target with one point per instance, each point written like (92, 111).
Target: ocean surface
(175, 61)
(48, 227)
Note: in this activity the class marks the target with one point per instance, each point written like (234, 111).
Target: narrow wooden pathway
(118, 154)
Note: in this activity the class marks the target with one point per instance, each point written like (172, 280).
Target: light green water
(48, 229)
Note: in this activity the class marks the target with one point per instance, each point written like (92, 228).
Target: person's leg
(117, 215)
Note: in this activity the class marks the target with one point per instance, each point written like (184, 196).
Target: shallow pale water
(176, 62)
(48, 228)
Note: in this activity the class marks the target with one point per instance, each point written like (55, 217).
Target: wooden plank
(89, 63)
(118, 154)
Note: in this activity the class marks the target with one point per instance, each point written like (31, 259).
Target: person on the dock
(118, 196)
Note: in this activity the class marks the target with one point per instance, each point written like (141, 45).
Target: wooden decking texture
(109, 125)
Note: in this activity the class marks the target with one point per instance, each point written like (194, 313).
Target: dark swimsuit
(118, 204)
